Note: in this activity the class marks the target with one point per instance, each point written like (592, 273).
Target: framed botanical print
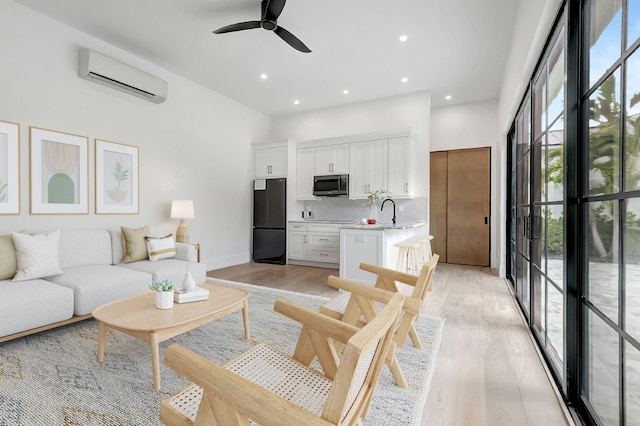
(116, 178)
(59, 172)
(9, 168)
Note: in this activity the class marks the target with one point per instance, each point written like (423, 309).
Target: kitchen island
(373, 244)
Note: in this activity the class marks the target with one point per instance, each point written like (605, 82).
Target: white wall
(463, 126)
(196, 145)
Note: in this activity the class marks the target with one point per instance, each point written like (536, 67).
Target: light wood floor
(487, 370)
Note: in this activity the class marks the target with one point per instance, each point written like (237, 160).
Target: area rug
(54, 378)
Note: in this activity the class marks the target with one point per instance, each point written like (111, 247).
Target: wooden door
(466, 222)
(438, 204)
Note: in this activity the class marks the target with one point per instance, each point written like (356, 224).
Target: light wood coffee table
(138, 316)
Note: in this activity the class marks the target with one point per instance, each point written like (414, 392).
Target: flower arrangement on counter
(376, 197)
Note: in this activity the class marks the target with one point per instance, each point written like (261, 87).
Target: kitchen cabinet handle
(324, 254)
(324, 239)
(406, 187)
(305, 239)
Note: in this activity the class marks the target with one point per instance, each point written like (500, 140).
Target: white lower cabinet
(314, 244)
(370, 246)
(297, 245)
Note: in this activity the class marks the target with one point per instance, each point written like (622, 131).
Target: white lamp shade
(182, 209)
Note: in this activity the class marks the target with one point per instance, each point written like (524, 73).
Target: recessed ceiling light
(447, 97)
(345, 91)
(404, 79)
(263, 76)
(296, 102)
(403, 38)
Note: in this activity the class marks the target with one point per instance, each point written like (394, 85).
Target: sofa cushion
(160, 248)
(84, 247)
(169, 269)
(94, 285)
(30, 304)
(37, 255)
(134, 245)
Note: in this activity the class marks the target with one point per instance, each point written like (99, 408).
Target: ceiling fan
(271, 10)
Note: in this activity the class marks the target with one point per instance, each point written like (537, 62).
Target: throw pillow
(161, 248)
(37, 255)
(133, 244)
(7, 257)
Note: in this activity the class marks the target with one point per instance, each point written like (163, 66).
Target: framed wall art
(116, 178)
(59, 172)
(9, 168)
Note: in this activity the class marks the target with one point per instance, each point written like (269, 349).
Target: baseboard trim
(225, 262)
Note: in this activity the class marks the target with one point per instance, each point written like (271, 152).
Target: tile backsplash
(338, 208)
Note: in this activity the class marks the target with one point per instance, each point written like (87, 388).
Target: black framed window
(575, 177)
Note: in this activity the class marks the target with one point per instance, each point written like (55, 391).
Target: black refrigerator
(270, 221)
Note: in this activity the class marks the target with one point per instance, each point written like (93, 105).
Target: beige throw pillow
(8, 264)
(134, 245)
(37, 255)
(7, 257)
(161, 248)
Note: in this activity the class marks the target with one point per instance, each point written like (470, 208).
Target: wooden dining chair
(271, 388)
(344, 307)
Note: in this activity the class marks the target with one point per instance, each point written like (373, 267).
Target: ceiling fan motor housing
(268, 24)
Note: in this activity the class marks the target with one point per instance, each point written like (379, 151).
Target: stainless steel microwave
(331, 186)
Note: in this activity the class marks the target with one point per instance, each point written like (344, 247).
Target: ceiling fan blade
(292, 40)
(249, 25)
(271, 9)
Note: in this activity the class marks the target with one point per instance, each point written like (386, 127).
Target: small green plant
(163, 285)
(119, 174)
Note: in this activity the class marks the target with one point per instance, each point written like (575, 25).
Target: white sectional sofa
(93, 274)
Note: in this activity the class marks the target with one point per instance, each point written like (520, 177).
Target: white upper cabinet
(368, 167)
(373, 161)
(400, 167)
(332, 159)
(304, 173)
(270, 162)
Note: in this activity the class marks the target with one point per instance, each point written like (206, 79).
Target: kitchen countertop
(385, 226)
(352, 224)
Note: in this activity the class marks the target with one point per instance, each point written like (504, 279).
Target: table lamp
(182, 209)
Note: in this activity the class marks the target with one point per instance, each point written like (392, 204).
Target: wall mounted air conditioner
(100, 69)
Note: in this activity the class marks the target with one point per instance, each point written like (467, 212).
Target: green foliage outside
(555, 232)
(604, 167)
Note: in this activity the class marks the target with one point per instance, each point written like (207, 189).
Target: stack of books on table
(181, 296)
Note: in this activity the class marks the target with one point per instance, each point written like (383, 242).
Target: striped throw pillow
(160, 248)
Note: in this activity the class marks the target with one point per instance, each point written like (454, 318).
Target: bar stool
(425, 247)
(408, 256)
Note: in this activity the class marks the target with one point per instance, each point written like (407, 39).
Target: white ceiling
(454, 47)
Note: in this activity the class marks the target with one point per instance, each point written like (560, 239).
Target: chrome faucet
(394, 209)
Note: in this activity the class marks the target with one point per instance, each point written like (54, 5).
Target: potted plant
(164, 293)
(374, 198)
